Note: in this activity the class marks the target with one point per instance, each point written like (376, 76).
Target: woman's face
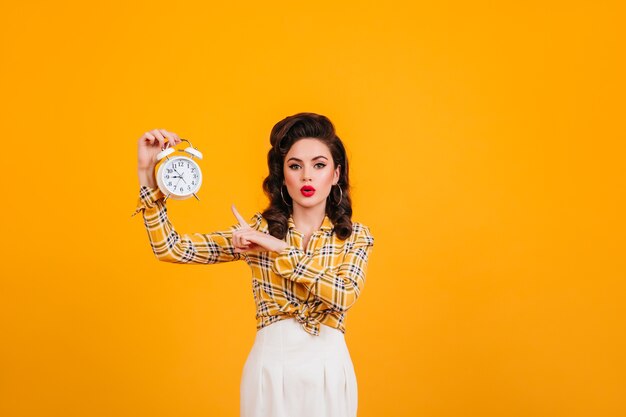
(309, 164)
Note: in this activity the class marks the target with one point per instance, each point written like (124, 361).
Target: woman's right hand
(151, 143)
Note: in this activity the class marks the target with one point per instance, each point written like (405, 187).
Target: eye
(319, 163)
(293, 165)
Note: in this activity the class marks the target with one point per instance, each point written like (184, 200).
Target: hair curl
(283, 135)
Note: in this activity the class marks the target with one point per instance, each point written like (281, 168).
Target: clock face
(181, 176)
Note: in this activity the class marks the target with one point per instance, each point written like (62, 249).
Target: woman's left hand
(246, 239)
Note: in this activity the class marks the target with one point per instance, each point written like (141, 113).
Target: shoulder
(361, 234)
(258, 222)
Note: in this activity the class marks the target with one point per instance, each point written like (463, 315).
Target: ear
(337, 175)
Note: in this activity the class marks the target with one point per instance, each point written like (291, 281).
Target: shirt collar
(326, 224)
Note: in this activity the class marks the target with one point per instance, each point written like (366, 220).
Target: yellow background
(486, 147)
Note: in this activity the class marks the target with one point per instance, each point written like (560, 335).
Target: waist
(331, 319)
(289, 333)
(286, 343)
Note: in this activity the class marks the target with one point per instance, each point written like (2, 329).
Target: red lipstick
(307, 191)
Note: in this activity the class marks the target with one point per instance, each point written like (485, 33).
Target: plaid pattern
(316, 284)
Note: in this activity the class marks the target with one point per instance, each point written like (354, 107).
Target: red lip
(307, 191)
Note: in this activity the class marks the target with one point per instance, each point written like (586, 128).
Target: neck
(308, 219)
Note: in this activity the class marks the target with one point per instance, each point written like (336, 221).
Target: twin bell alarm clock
(179, 176)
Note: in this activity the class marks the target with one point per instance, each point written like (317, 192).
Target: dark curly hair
(284, 134)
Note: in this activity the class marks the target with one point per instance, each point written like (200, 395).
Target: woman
(308, 262)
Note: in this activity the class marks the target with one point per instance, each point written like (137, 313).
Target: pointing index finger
(242, 222)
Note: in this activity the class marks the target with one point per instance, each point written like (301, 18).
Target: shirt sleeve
(337, 286)
(194, 248)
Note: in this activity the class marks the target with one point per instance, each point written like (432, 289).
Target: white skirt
(292, 373)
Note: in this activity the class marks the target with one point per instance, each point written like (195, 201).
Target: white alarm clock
(179, 177)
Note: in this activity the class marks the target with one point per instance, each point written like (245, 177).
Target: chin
(308, 203)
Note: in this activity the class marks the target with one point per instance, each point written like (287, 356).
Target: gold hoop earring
(341, 191)
(283, 197)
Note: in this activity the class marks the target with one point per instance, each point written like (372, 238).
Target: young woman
(308, 262)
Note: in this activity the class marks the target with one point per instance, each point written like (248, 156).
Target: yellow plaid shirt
(316, 284)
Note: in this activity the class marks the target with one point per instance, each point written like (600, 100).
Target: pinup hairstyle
(284, 134)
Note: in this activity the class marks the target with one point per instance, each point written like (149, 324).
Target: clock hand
(179, 176)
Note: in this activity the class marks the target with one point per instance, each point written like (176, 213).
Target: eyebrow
(300, 160)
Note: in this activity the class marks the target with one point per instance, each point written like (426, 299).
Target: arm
(338, 286)
(195, 248)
